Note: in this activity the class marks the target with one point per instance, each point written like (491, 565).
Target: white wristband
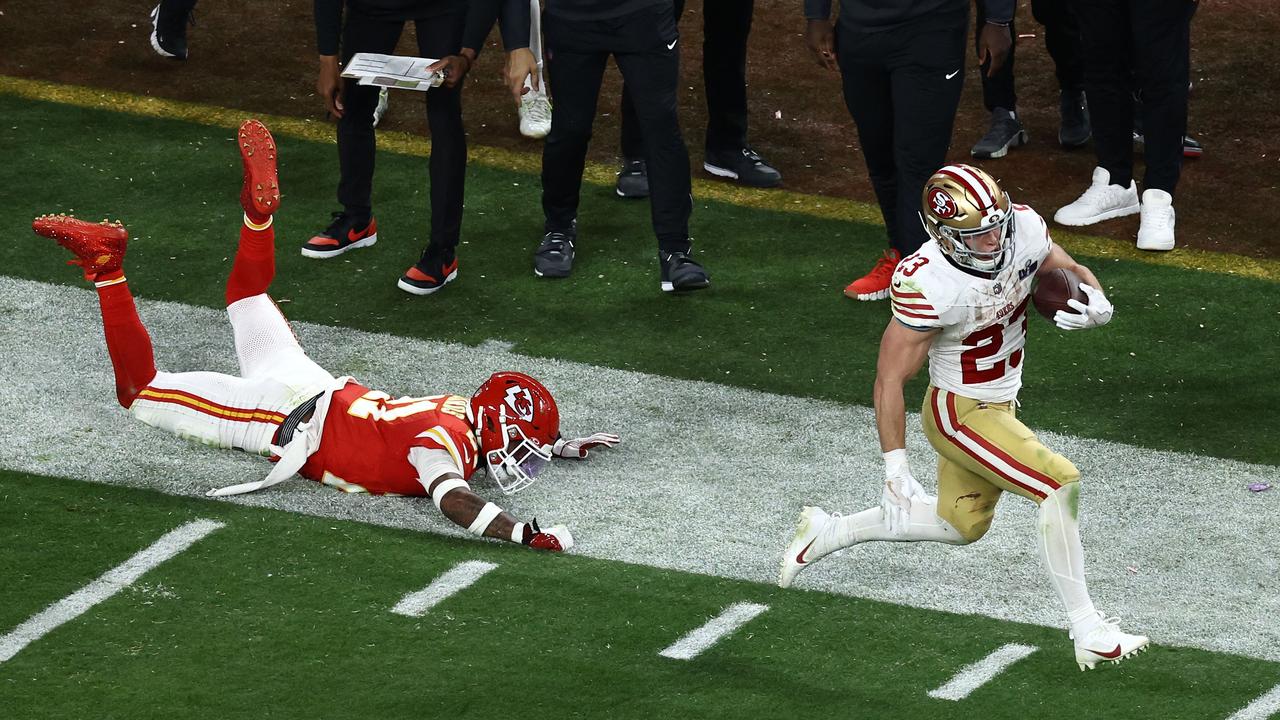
(895, 462)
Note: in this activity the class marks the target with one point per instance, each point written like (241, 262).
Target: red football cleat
(260, 194)
(875, 284)
(98, 247)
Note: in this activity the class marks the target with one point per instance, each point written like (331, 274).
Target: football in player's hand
(1053, 290)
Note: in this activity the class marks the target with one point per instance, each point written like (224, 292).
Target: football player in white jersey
(961, 301)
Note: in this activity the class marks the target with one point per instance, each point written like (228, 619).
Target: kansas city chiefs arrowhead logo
(942, 204)
(521, 402)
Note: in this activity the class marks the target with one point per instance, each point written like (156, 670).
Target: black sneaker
(1005, 132)
(169, 22)
(680, 273)
(744, 165)
(554, 257)
(1075, 129)
(428, 276)
(346, 232)
(633, 180)
(1191, 147)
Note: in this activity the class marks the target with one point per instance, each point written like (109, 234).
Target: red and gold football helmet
(962, 201)
(517, 423)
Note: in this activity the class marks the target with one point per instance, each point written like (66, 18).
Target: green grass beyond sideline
(1188, 355)
(276, 605)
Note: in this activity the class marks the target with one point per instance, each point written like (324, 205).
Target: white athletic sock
(868, 525)
(1058, 538)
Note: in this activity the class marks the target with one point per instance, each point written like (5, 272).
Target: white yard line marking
(732, 618)
(459, 577)
(112, 582)
(1263, 707)
(982, 672)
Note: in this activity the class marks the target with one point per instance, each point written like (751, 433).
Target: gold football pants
(983, 450)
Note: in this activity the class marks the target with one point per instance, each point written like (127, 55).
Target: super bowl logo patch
(521, 402)
(942, 204)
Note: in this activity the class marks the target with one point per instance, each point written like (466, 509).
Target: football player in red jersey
(283, 405)
(961, 302)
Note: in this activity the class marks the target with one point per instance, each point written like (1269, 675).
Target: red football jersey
(367, 436)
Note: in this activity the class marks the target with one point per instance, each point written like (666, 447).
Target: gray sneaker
(633, 180)
(1006, 132)
(554, 257)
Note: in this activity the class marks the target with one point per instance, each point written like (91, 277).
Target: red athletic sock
(255, 263)
(128, 343)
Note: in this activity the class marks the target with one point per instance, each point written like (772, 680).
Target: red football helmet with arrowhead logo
(517, 423)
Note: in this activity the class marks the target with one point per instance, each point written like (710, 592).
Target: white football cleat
(1156, 231)
(1107, 643)
(535, 115)
(1102, 201)
(811, 542)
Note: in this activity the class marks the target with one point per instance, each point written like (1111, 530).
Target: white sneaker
(1156, 231)
(535, 115)
(1107, 643)
(811, 542)
(381, 108)
(1102, 201)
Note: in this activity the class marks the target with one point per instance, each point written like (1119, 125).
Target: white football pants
(238, 412)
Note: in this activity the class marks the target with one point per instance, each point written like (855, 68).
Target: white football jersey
(979, 353)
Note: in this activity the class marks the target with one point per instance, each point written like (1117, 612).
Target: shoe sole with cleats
(260, 193)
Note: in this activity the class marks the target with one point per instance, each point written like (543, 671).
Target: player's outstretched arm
(902, 353)
(456, 501)
(577, 448)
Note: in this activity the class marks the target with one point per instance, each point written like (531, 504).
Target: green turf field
(284, 615)
(289, 616)
(1194, 350)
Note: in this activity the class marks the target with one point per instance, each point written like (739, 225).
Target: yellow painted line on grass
(817, 206)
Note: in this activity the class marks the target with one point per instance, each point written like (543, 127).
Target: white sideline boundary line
(1263, 707)
(1199, 591)
(113, 581)
(455, 579)
(729, 620)
(974, 676)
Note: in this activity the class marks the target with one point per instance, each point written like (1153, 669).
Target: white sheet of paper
(394, 71)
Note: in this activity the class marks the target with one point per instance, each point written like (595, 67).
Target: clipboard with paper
(393, 71)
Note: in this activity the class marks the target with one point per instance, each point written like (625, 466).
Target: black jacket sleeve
(516, 22)
(481, 16)
(328, 25)
(1000, 11)
(813, 9)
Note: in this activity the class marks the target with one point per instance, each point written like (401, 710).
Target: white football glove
(578, 447)
(900, 488)
(1097, 312)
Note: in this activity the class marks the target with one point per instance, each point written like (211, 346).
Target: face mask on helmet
(969, 216)
(517, 423)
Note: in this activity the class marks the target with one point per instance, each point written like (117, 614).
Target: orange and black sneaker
(98, 247)
(428, 276)
(875, 284)
(260, 193)
(346, 232)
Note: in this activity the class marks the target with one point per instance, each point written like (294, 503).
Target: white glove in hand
(900, 488)
(578, 447)
(1097, 312)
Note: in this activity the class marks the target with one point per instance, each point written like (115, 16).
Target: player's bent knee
(971, 515)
